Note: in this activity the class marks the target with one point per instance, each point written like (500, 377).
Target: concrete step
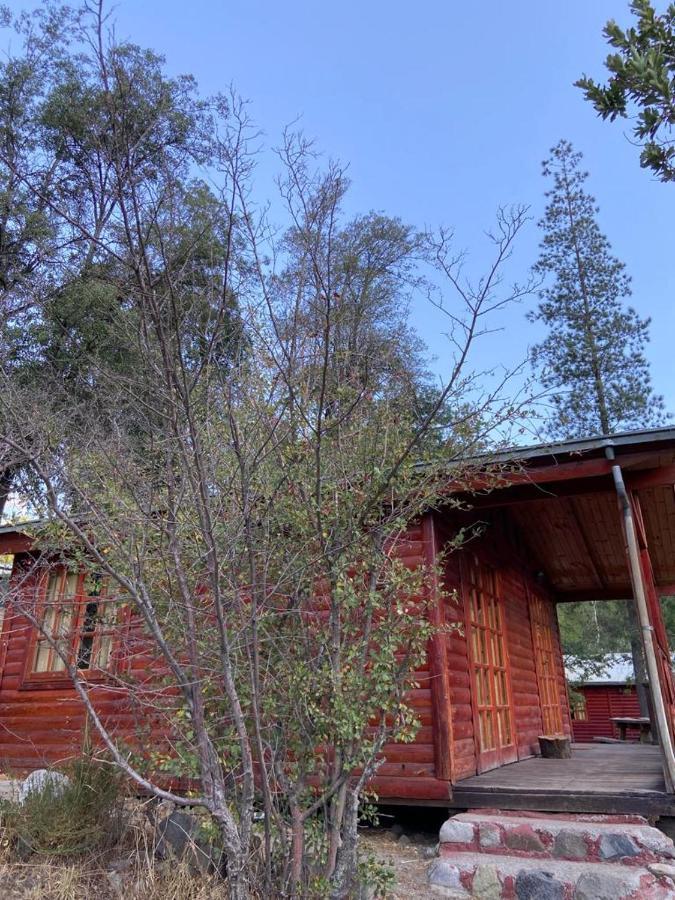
(624, 840)
(485, 876)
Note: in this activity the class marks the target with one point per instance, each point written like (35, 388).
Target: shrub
(66, 820)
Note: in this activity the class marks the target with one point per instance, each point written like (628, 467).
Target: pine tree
(593, 357)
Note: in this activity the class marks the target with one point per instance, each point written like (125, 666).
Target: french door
(491, 691)
(545, 656)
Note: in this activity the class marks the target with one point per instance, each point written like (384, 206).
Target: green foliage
(640, 84)
(590, 631)
(83, 816)
(593, 356)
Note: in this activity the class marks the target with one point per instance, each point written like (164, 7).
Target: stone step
(627, 840)
(483, 876)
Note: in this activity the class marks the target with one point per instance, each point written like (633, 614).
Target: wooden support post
(438, 663)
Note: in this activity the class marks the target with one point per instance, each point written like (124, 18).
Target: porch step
(599, 839)
(484, 876)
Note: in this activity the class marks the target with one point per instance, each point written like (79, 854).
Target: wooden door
(491, 691)
(545, 658)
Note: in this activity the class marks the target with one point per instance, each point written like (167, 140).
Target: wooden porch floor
(599, 778)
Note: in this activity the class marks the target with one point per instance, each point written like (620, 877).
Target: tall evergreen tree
(593, 357)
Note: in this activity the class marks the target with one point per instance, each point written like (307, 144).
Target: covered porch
(599, 778)
(597, 522)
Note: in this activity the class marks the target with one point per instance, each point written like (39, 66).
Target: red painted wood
(603, 702)
(44, 724)
(438, 663)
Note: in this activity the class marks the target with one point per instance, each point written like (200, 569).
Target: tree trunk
(345, 870)
(6, 478)
(555, 746)
(638, 654)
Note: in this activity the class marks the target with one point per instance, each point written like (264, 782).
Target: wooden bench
(642, 723)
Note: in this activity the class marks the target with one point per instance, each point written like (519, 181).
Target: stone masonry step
(626, 840)
(483, 876)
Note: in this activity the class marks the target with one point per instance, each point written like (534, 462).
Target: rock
(429, 852)
(41, 780)
(614, 846)
(444, 874)
(179, 835)
(599, 886)
(658, 843)
(454, 831)
(523, 838)
(489, 835)
(538, 885)
(117, 883)
(486, 884)
(570, 845)
(662, 870)
(396, 829)
(120, 865)
(404, 840)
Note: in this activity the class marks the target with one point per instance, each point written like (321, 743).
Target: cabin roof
(561, 499)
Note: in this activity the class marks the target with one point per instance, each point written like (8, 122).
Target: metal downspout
(645, 624)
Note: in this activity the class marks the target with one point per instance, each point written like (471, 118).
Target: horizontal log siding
(500, 546)
(44, 725)
(603, 702)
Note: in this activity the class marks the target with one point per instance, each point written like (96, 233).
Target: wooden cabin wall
(603, 702)
(409, 771)
(500, 547)
(45, 724)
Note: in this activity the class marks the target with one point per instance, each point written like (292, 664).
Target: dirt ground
(407, 841)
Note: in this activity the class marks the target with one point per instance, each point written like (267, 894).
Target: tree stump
(555, 746)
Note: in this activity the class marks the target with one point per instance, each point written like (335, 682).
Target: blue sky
(443, 110)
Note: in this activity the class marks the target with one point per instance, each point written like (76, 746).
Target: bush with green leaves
(69, 818)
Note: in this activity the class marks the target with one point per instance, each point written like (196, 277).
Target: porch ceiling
(577, 540)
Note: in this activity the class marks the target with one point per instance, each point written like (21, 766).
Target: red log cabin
(597, 699)
(580, 520)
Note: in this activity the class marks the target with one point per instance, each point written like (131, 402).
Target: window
(78, 621)
(578, 710)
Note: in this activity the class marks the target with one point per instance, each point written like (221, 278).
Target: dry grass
(128, 870)
(84, 880)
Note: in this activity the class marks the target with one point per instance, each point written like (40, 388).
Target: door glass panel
(489, 660)
(545, 652)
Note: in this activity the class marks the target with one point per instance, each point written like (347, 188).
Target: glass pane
(58, 665)
(84, 652)
(49, 621)
(66, 621)
(104, 649)
(70, 588)
(41, 657)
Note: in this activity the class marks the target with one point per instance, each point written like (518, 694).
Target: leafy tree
(640, 83)
(592, 358)
(225, 419)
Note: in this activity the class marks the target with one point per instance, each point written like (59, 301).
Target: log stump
(555, 746)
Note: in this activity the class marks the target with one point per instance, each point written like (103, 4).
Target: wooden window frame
(81, 598)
